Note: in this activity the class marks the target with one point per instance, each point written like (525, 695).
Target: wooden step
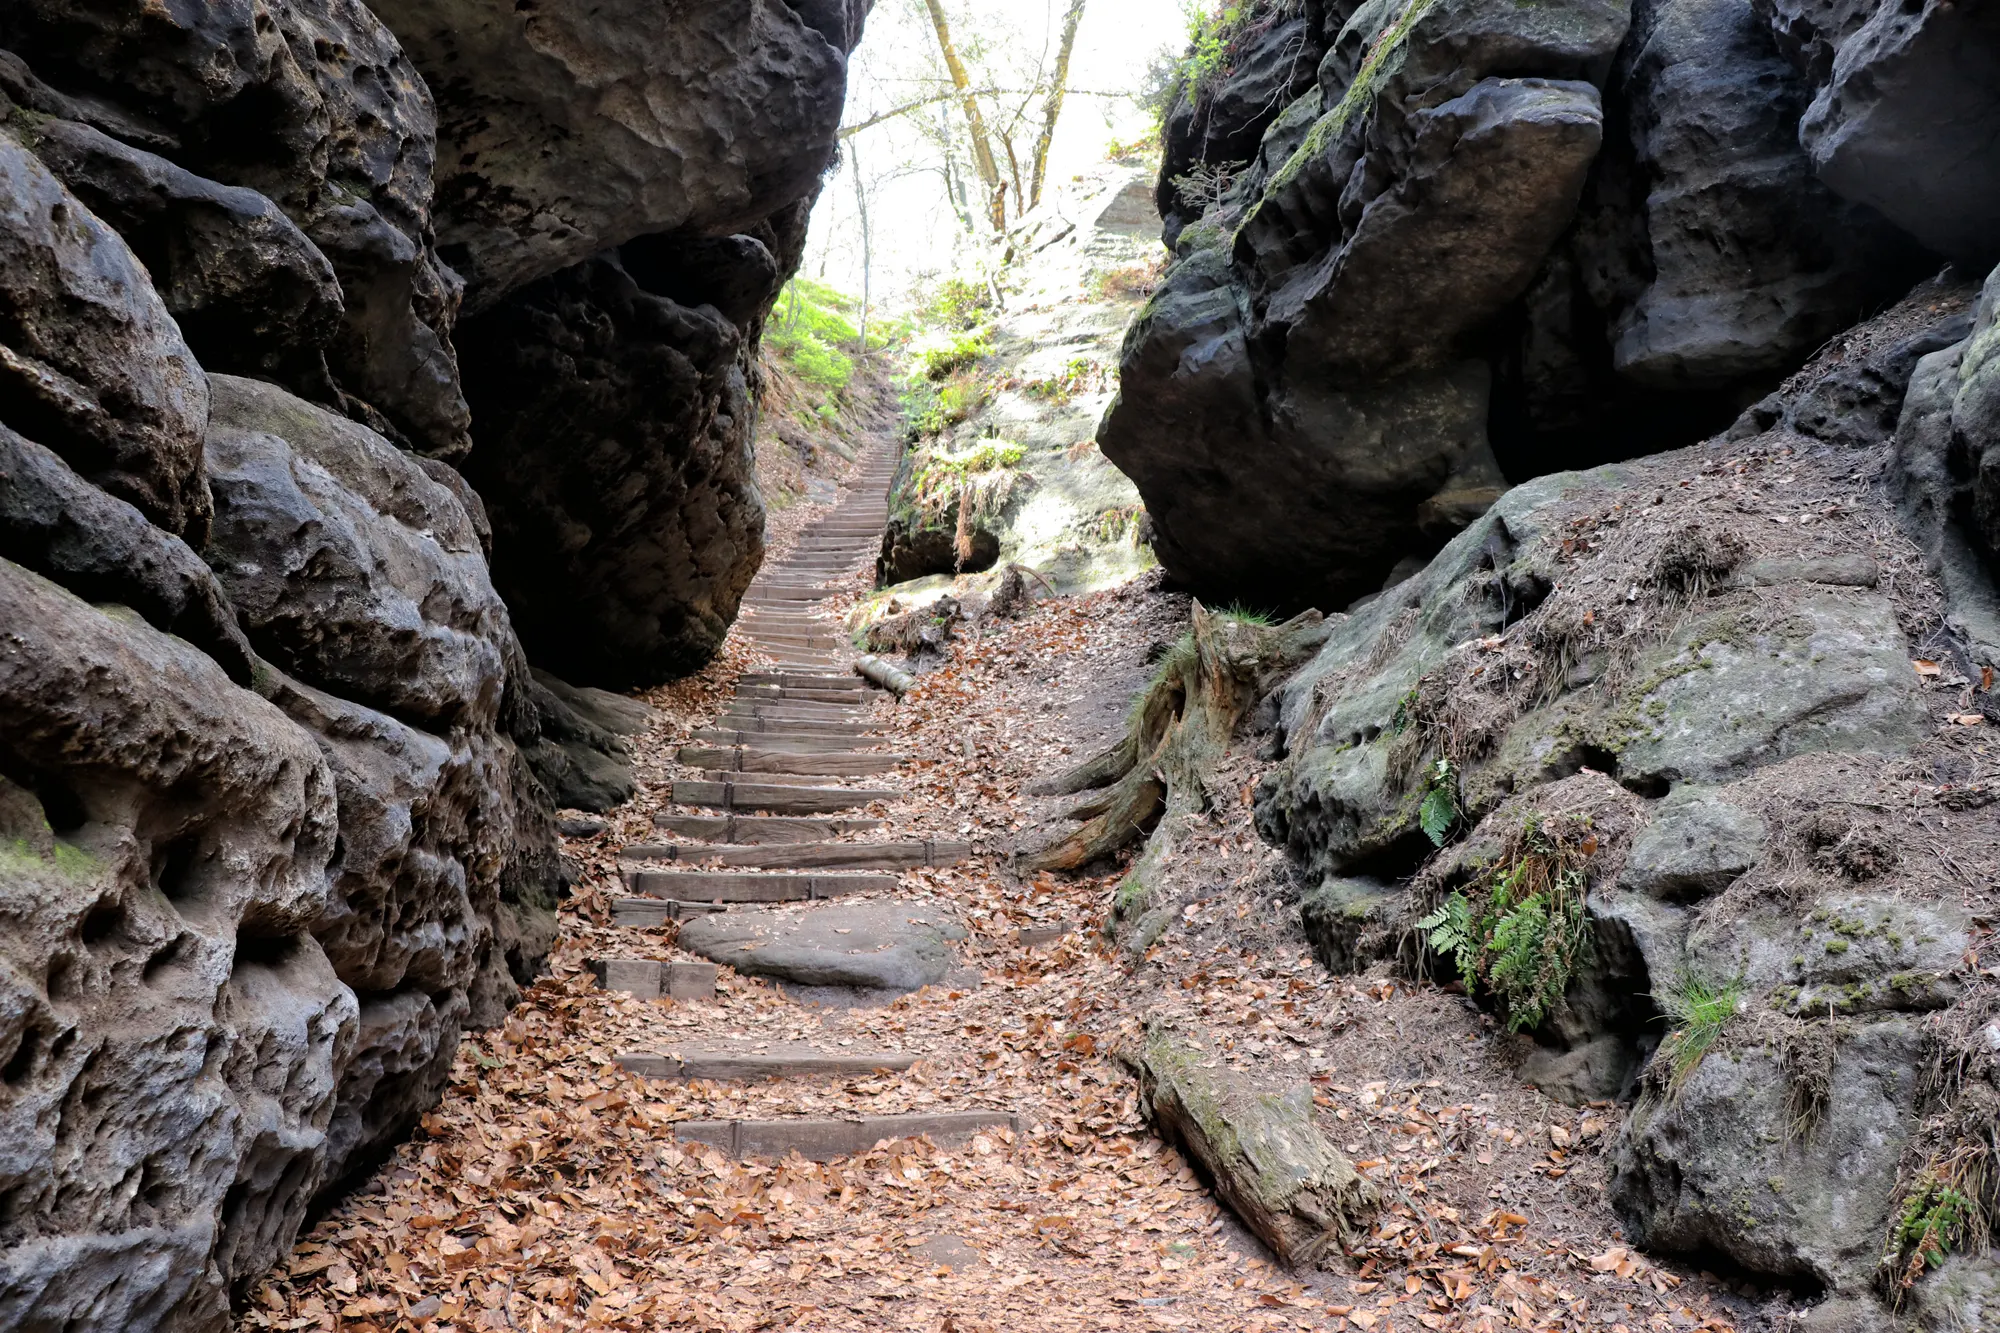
(777, 798)
(762, 829)
(824, 1140)
(650, 978)
(787, 592)
(740, 759)
(804, 680)
(762, 721)
(653, 913)
(784, 1060)
(784, 741)
(730, 886)
(806, 856)
(817, 696)
(802, 710)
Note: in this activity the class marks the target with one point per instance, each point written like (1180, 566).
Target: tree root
(1154, 780)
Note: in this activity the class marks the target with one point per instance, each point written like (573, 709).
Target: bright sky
(916, 234)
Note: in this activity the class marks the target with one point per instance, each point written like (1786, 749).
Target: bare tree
(982, 142)
(1052, 107)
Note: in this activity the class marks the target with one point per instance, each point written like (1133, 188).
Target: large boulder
(1905, 109)
(171, 1032)
(1336, 340)
(91, 364)
(315, 106)
(1947, 467)
(617, 472)
(1219, 124)
(360, 575)
(566, 129)
(1753, 264)
(351, 567)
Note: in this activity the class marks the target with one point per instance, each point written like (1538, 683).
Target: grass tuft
(1698, 1008)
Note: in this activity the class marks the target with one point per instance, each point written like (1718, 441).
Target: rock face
(316, 107)
(1906, 105)
(273, 823)
(618, 472)
(1487, 243)
(1710, 713)
(1020, 464)
(1948, 467)
(568, 129)
(173, 1032)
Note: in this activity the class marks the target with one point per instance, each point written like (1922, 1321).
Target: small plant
(1206, 183)
(959, 304)
(1439, 810)
(1941, 1214)
(1521, 934)
(1698, 1009)
(939, 360)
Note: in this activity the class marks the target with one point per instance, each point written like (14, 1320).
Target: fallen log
(1262, 1152)
(879, 672)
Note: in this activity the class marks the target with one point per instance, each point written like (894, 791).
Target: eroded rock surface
(173, 1033)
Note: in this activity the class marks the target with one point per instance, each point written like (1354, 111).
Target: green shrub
(935, 408)
(958, 304)
(1521, 933)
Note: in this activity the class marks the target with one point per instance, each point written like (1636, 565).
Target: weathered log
(874, 669)
(1261, 1151)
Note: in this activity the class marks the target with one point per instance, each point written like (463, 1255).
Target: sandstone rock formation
(627, 190)
(1020, 466)
(276, 811)
(1702, 710)
(1487, 243)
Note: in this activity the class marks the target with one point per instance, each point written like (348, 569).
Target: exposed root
(1155, 777)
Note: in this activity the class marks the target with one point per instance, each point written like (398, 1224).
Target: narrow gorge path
(810, 1056)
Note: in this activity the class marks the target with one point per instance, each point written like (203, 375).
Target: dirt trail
(737, 1158)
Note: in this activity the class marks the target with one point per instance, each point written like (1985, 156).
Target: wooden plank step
(650, 978)
(741, 759)
(652, 913)
(804, 680)
(730, 886)
(760, 720)
(786, 741)
(787, 592)
(817, 696)
(806, 856)
(778, 799)
(803, 709)
(784, 1060)
(824, 1140)
(762, 829)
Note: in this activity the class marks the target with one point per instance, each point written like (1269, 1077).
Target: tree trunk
(1262, 1151)
(1052, 108)
(1158, 772)
(867, 242)
(982, 142)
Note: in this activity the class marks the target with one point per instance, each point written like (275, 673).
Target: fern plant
(1439, 810)
(1523, 932)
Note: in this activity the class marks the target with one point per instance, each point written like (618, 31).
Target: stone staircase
(773, 819)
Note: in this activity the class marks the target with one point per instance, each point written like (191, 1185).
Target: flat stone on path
(868, 946)
(947, 1252)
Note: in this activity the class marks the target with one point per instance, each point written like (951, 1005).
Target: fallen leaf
(1926, 668)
